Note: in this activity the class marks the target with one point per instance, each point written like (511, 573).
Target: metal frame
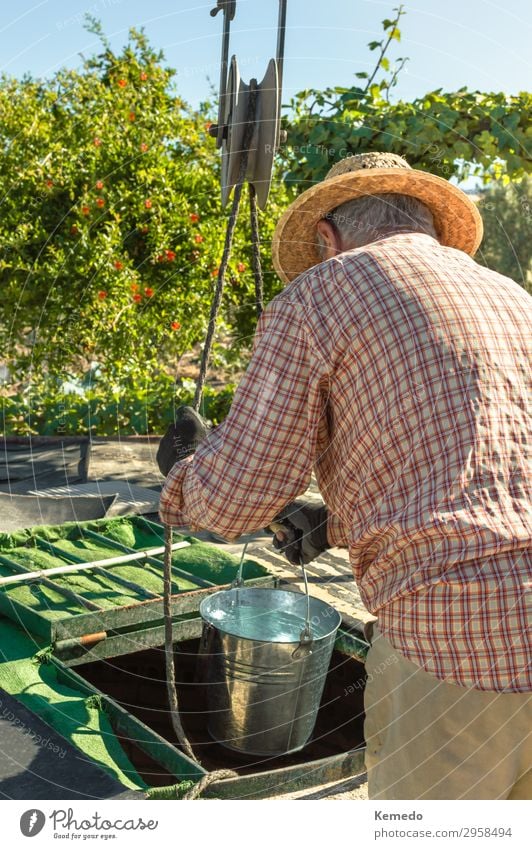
(257, 785)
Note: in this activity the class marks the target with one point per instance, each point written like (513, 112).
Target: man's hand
(304, 534)
(181, 438)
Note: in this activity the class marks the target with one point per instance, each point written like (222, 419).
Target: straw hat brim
(456, 218)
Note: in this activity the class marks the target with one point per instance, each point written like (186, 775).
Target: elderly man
(395, 367)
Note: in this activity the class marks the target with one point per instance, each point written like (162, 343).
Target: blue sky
(481, 43)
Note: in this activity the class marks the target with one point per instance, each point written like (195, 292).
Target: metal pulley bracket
(233, 113)
(265, 132)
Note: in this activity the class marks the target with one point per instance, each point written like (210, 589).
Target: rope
(169, 647)
(229, 233)
(211, 777)
(255, 242)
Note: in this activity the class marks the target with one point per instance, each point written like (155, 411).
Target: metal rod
(80, 567)
(281, 32)
(98, 570)
(67, 594)
(229, 9)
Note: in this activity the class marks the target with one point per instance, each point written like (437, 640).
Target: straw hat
(456, 218)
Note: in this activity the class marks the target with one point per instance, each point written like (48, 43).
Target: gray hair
(363, 219)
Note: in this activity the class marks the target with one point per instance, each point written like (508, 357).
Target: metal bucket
(263, 695)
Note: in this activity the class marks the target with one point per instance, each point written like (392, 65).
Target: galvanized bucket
(263, 695)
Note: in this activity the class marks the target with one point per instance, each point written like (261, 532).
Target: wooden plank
(97, 566)
(351, 645)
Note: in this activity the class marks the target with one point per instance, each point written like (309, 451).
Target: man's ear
(330, 238)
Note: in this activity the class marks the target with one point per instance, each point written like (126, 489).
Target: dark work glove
(304, 531)
(181, 438)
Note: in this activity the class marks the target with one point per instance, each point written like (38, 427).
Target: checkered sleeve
(261, 457)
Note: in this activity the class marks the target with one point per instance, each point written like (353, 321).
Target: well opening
(137, 682)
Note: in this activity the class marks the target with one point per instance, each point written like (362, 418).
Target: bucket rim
(208, 600)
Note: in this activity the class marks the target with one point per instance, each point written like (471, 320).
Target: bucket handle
(239, 580)
(305, 638)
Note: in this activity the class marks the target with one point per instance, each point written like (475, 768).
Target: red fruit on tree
(134, 287)
(122, 83)
(74, 230)
(99, 184)
(241, 267)
(100, 202)
(132, 116)
(149, 292)
(175, 325)
(49, 184)
(102, 295)
(144, 147)
(143, 76)
(198, 239)
(147, 203)
(85, 210)
(96, 141)
(194, 217)
(170, 255)
(118, 265)
(137, 298)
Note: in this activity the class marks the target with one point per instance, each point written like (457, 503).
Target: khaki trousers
(427, 739)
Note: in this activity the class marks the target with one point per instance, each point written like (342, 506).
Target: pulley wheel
(265, 133)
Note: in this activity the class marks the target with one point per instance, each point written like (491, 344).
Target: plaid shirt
(399, 373)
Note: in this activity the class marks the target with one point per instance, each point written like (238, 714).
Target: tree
(507, 244)
(112, 229)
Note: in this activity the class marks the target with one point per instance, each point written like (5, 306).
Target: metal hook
(228, 7)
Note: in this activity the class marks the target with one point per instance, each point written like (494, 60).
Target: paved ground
(330, 577)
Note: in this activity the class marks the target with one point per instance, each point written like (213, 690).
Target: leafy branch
(392, 32)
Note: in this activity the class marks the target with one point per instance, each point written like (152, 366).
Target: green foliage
(459, 134)
(112, 228)
(507, 244)
(140, 404)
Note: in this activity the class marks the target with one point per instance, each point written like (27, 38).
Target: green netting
(213, 564)
(99, 589)
(199, 559)
(41, 598)
(75, 717)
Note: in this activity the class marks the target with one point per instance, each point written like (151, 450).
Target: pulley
(233, 111)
